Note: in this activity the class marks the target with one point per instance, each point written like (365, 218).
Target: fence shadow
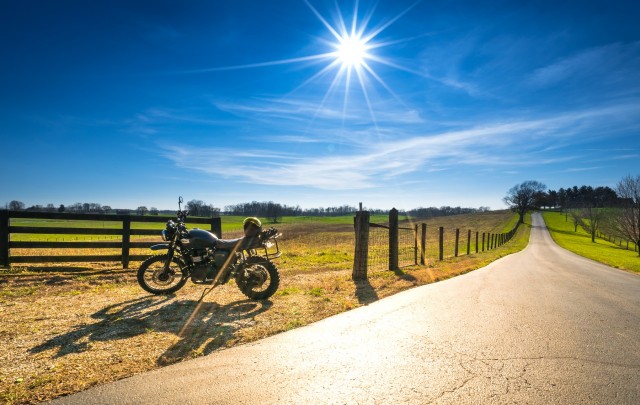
(404, 276)
(365, 292)
(195, 322)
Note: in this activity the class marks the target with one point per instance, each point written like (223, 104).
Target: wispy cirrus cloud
(511, 144)
(615, 63)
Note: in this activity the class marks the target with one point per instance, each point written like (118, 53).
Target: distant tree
(627, 222)
(274, 211)
(153, 211)
(16, 205)
(552, 198)
(591, 220)
(51, 208)
(195, 207)
(576, 219)
(524, 197)
(106, 209)
(61, 208)
(141, 210)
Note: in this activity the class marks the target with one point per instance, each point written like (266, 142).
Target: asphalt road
(540, 326)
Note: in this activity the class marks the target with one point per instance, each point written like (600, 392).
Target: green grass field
(580, 242)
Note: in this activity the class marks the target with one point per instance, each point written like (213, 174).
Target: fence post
(483, 241)
(457, 241)
(468, 242)
(441, 244)
(415, 245)
(393, 239)
(476, 241)
(4, 238)
(361, 257)
(423, 247)
(126, 239)
(216, 226)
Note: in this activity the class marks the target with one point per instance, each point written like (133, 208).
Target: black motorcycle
(201, 256)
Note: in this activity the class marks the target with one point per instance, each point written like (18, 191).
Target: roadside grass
(580, 243)
(66, 329)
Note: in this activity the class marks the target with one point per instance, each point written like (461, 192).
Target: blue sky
(129, 103)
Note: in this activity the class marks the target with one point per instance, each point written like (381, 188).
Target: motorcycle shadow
(201, 326)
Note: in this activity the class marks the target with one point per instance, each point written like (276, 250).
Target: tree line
(267, 209)
(596, 210)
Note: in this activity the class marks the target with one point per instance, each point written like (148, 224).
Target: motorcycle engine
(203, 265)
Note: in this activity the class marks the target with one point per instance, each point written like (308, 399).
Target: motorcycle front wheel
(258, 279)
(154, 278)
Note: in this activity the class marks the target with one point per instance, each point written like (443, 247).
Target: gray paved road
(540, 326)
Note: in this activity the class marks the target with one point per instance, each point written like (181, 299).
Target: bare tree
(591, 220)
(576, 219)
(524, 197)
(627, 223)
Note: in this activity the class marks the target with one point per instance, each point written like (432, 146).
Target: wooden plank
(79, 231)
(45, 230)
(100, 217)
(78, 245)
(152, 232)
(75, 259)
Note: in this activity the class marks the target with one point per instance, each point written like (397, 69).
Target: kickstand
(206, 291)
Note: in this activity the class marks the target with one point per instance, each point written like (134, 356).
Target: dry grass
(65, 329)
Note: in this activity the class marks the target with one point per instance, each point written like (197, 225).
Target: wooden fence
(125, 244)
(362, 231)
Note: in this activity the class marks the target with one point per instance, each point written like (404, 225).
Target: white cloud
(608, 62)
(510, 145)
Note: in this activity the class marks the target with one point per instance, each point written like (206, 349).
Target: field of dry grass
(66, 328)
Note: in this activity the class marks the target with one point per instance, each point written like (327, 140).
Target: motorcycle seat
(227, 243)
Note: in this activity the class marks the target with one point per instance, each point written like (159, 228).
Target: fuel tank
(200, 239)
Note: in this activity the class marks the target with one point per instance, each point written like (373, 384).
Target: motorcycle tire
(259, 264)
(154, 267)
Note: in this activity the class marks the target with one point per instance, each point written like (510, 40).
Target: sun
(351, 51)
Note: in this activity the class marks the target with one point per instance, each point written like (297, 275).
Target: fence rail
(125, 244)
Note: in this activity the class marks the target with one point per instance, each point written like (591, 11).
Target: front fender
(161, 246)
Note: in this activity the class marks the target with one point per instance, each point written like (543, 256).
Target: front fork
(170, 253)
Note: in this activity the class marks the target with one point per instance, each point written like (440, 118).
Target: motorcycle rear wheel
(153, 278)
(258, 279)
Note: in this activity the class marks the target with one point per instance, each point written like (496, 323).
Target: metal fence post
(457, 241)
(4, 238)
(441, 244)
(477, 241)
(415, 245)
(423, 250)
(393, 239)
(126, 239)
(361, 256)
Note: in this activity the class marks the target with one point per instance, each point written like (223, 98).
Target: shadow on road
(195, 322)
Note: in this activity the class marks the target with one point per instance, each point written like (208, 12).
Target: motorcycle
(201, 256)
